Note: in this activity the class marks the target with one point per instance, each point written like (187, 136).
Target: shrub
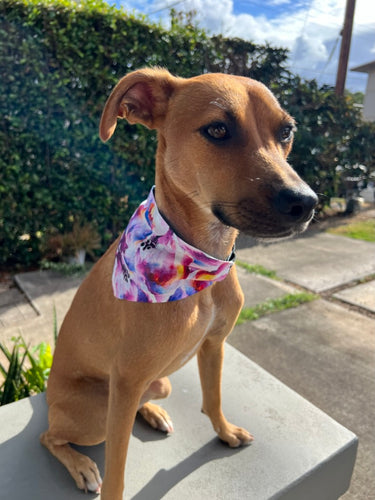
(332, 142)
(59, 59)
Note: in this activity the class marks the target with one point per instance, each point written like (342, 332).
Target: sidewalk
(324, 349)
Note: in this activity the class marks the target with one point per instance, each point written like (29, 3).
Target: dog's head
(224, 141)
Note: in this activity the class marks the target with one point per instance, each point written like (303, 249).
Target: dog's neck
(194, 224)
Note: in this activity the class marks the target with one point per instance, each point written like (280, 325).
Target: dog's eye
(286, 133)
(216, 131)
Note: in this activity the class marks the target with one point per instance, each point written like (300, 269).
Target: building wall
(369, 101)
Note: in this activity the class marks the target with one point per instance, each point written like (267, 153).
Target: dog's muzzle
(285, 213)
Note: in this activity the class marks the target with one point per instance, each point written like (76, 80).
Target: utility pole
(345, 47)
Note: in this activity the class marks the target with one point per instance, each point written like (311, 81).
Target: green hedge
(332, 142)
(59, 59)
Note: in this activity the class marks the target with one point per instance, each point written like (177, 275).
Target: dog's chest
(199, 326)
(199, 338)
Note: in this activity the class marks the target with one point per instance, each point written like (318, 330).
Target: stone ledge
(298, 453)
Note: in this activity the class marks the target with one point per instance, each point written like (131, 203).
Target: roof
(365, 68)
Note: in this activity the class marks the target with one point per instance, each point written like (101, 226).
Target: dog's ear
(140, 97)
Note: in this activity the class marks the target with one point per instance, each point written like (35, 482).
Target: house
(369, 101)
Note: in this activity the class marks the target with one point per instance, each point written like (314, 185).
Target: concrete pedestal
(298, 453)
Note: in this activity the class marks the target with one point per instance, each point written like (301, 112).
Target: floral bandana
(153, 264)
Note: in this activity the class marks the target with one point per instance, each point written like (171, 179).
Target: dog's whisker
(253, 179)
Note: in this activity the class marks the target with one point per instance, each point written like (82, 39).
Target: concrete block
(44, 288)
(361, 295)
(258, 289)
(317, 263)
(298, 453)
(325, 353)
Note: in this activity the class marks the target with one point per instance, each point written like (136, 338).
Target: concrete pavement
(318, 262)
(324, 349)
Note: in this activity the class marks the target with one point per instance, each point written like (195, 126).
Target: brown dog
(220, 168)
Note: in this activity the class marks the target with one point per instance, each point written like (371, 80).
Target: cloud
(309, 29)
(309, 53)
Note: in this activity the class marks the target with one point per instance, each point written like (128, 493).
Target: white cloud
(279, 2)
(308, 29)
(309, 53)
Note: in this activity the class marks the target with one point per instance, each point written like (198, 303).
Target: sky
(310, 29)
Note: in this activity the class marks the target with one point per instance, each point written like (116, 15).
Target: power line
(307, 15)
(333, 50)
(167, 6)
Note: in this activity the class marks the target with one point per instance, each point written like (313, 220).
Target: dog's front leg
(210, 360)
(124, 398)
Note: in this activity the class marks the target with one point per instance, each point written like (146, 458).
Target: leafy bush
(59, 59)
(65, 268)
(332, 142)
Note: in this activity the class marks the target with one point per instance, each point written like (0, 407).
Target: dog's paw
(86, 474)
(234, 436)
(157, 417)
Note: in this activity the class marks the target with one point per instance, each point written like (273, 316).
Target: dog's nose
(296, 205)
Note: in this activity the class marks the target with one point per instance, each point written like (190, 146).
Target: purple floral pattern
(153, 264)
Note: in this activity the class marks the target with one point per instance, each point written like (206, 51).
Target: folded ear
(139, 97)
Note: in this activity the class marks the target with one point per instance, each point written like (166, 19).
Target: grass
(274, 305)
(362, 230)
(257, 269)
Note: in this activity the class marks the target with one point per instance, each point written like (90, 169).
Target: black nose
(296, 205)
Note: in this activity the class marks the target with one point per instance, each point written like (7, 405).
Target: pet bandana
(153, 264)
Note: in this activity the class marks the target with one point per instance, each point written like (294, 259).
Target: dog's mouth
(277, 220)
